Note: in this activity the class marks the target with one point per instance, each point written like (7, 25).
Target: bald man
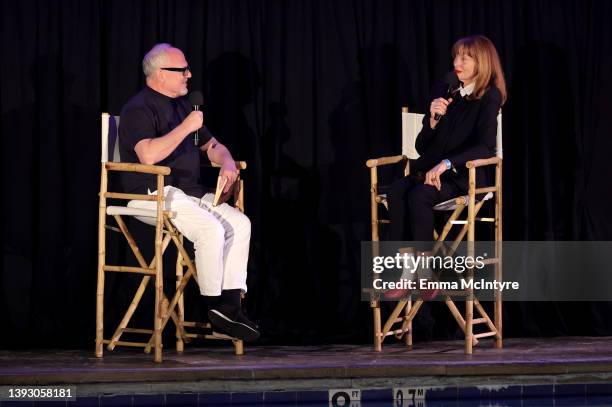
(156, 125)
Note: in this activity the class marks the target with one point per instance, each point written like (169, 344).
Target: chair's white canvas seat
(124, 210)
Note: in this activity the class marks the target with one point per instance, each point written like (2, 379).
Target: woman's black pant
(411, 205)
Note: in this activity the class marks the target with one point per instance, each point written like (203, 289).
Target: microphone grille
(196, 98)
(452, 79)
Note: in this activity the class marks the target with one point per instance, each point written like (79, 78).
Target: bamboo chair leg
(239, 203)
(373, 203)
(498, 266)
(181, 302)
(469, 311)
(181, 287)
(99, 351)
(238, 347)
(375, 304)
(100, 310)
(239, 343)
(408, 334)
(469, 301)
(469, 319)
(159, 275)
(498, 308)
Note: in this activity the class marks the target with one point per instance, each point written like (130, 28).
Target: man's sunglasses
(181, 70)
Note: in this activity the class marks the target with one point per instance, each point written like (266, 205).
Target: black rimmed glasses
(181, 70)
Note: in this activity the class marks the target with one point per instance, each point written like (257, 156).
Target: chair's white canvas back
(110, 138)
(412, 123)
(499, 150)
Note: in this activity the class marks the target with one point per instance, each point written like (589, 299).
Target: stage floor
(542, 364)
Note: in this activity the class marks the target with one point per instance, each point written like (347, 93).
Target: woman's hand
(433, 176)
(438, 106)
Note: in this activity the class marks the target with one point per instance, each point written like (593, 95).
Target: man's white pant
(220, 236)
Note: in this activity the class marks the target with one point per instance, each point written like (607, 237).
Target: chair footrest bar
(137, 331)
(485, 334)
(397, 331)
(455, 293)
(208, 336)
(125, 269)
(479, 321)
(126, 343)
(195, 336)
(129, 197)
(485, 190)
(400, 319)
(384, 221)
(220, 337)
(190, 324)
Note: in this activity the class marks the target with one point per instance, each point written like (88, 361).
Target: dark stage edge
(575, 366)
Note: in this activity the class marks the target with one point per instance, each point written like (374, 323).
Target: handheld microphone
(196, 99)
(452, 82)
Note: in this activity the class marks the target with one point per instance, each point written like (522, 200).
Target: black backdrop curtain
(305, 91)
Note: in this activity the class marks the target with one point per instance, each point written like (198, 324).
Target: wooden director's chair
(399, 323)
(165, 232)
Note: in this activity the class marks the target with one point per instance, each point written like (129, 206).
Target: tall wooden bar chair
(399, 322)
(165, 232)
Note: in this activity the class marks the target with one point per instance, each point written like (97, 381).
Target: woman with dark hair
(466, 130)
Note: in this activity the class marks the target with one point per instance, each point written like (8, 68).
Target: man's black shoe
(238, 327)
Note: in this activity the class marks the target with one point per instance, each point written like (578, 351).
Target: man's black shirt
(149, 114)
